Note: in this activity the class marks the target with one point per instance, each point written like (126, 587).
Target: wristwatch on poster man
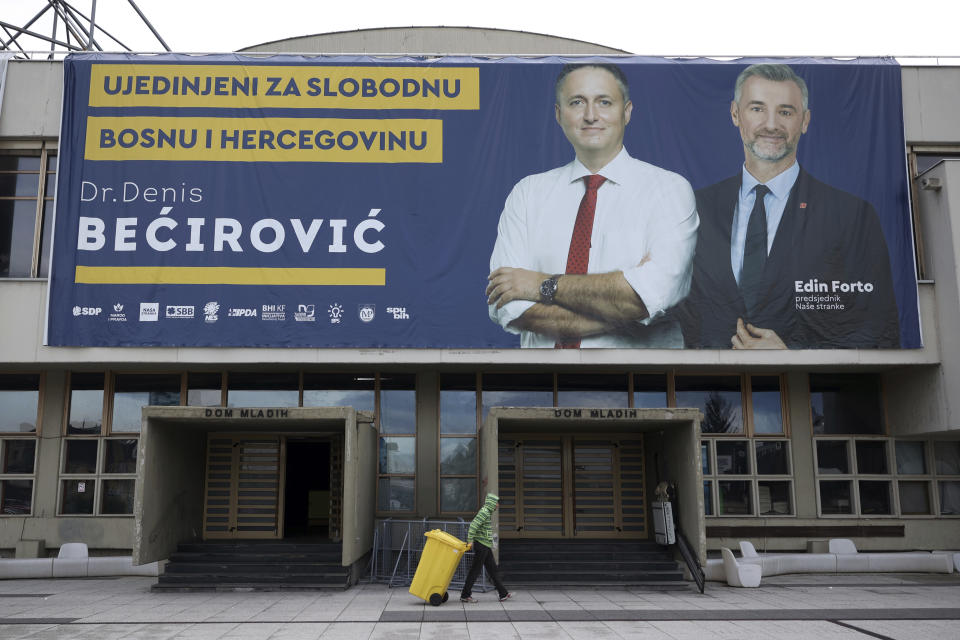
(548, 289)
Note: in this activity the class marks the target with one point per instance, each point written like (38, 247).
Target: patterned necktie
(755, 252)
(578, 257)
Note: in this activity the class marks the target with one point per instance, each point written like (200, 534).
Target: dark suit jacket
(827, 240)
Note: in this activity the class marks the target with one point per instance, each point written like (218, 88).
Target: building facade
(786, 447)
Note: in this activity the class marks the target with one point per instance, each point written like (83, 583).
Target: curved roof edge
(433, 40)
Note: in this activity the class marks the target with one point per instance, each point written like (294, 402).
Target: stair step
(591, 577)
(180, 556)
(593, 556)
(266, 547)
(265, 578)
(559, 564)
(253, 567)
(250, 586)
(666, 585)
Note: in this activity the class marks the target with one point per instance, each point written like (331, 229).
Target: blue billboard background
(439, 220)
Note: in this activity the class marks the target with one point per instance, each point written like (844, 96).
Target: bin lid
(447, 539)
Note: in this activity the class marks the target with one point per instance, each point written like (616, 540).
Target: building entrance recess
(581, 473)
(230, 474)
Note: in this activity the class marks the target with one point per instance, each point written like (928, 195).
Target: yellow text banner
(304, 87)
(278, 276)
(264, 139)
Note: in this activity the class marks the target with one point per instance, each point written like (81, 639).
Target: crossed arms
(584, 305)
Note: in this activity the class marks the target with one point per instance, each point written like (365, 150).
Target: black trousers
(483, 557)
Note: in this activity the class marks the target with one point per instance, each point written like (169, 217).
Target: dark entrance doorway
(307, 495)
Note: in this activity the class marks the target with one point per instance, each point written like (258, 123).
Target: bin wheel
(446, 596)
(436, 599)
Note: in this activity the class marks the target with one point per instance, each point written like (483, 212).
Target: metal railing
(692, 563)
(398, 544)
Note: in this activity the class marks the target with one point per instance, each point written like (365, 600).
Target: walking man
(480, 539)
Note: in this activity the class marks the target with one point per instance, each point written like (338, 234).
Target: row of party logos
(212, 311)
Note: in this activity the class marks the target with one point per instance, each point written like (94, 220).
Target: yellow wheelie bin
(441, 555)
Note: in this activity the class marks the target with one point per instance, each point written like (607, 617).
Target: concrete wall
(168, 504)
(938, 387)
(32, 99)
(931, 96)
(427, 488)
(677, 452)
(926, 400)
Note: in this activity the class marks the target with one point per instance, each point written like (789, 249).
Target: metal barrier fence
(397, 545)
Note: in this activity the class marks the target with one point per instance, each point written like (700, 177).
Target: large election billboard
(481, 203)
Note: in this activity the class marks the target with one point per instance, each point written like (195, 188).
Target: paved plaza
(838, 607)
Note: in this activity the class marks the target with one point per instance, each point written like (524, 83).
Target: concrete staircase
(589, 562)
(254, 565)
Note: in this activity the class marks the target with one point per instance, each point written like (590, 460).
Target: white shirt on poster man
(644, 214)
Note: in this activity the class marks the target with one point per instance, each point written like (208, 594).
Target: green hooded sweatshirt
(480, 525)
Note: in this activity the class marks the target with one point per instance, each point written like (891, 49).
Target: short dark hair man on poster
(593, 253)
(480, 539)
(784, 260)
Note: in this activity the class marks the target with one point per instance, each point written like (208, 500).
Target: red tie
(578, 257)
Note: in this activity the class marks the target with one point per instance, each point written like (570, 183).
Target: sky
(840, 28)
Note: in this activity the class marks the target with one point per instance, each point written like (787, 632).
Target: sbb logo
(87, 311)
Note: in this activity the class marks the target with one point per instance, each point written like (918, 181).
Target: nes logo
(149, 311)
(399, 313)
(367, 312)
(179, 311)
(210, 311)
(305, 313)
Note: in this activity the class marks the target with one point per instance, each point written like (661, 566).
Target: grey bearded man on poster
(593, 253)
(784, 260)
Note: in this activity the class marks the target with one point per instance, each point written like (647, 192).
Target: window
(26, 204)
(19, 402)
(592, 390)
(98, 476)
(458, 443)
(17, 475)
(397, 460)
(204, 389)
(947, 469)
(132, 392)
(340, 390)
(86, 404)
(846, 404)
(747, 477)
(250, 389)
(718, 397)
(649, 390)
(871, 477)
(766, 405)
(735, 404)
(516, 390)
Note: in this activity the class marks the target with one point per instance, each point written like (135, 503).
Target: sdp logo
(87, 311)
